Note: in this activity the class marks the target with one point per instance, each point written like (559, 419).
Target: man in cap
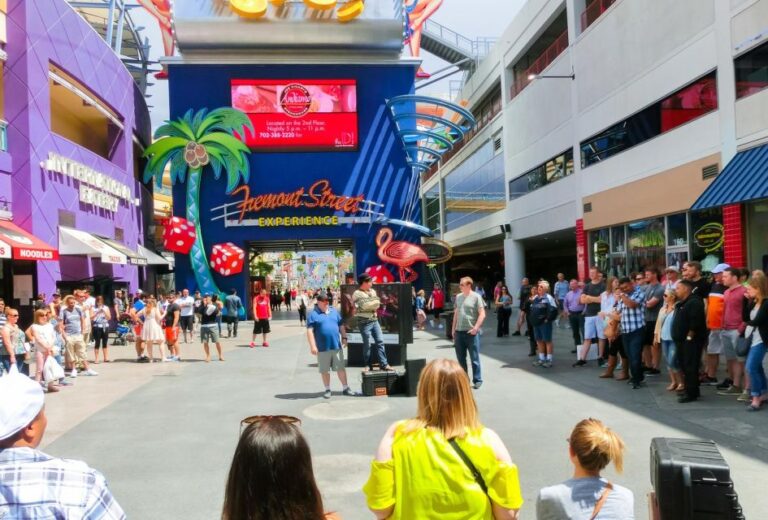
(36, 485)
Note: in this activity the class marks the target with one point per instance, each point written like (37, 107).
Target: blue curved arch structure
(426, 144)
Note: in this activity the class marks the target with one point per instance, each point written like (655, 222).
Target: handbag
(52, 370)
(743, 345)
(476, 474)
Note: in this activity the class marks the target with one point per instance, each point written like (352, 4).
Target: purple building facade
(51, 181)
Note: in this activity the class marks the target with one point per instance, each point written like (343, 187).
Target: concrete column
(514, 264)
(726, 82)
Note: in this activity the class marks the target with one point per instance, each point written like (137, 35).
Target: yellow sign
(258, 8)
(327, 220)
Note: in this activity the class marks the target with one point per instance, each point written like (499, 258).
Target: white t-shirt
(187, 305)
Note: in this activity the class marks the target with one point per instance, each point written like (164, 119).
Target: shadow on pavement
(299, 396)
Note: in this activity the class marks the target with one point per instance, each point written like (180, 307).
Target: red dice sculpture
(380, 274)
(179, 235)
(227, 259)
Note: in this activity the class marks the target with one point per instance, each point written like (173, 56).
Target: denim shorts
(594, 327)
(543, 332)
(209, 333)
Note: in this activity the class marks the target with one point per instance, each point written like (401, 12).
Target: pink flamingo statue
(401, 254)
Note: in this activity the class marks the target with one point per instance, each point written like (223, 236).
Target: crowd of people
(634, 326)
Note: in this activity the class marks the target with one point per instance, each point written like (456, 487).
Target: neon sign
(258, 8)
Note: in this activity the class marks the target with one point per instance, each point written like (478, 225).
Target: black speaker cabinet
(413, 368)
(692, 481)
(396, 354)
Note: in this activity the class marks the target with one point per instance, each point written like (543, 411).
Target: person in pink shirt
(436, 304)
(262, 313)
(733, 328)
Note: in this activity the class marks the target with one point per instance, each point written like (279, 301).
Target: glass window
(432, 209)
(518, 187)
(677, 259)
(686, 104)
(758, 235)
(551, 171)
(707, 238)
(646, 244)
(618, 244)
(751, 71)
(600, 249)
(677, 230)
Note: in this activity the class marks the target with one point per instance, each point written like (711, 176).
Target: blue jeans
(669, 349)
(373, 329)
(23, 367)
(463, 342)
(633, 347)
(755, 370)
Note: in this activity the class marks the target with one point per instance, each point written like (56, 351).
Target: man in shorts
(187, 313)
(171, 322)
(326, 337)
(733, 329)
(654, 300)
(262, 313)
(715, 315)
(436, 304)
(209, 328)
(593, 323)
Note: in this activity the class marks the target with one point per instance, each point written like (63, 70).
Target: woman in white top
(152, 332)
(607, 304)
(44, 337)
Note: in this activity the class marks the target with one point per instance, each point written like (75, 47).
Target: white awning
(76, 242)
(134, 258)
(152, 257)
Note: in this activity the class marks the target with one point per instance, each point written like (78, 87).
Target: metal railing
(3, 136)
(477, 48)
(594, 11)
(549, 55)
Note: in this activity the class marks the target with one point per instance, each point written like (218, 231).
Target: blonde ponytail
(596, 445)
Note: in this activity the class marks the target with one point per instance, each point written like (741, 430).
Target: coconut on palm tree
(188, 145)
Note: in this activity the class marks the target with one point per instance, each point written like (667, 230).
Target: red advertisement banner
(299, 115)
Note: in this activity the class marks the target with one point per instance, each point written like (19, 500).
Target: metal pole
(110, 22)
(119, 39)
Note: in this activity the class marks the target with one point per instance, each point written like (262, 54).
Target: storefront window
(600, 249)
(646, 244)
(677, 230)
(618, 244)
(758, 235)
(707, 237)
(618, 261)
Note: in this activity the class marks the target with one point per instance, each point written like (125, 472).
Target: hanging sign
(710, 237)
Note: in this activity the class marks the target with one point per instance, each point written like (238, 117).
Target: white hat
(719, 268)
(21, 399)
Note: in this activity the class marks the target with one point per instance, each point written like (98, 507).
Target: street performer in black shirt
(689, 331)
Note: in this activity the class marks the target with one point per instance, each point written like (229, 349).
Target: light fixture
(571, 76)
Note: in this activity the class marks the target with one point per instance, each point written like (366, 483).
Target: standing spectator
(443, 463)
(715, 314)
(591, 447)
(71, 324)
(733, 330)
(526, 308)
(152, 331)
(653, 292)
(43, 335)
(543, 313)
(137, 315)
(631, 308)
(561, 289)
(101, 316)
(593, 324)
(262, 313)
(12, 339)
(55, 305)
(232, 304)
(436, 304)
(198, 309)
(219, 305)
(326, 338)
(420, 305)
(3, 321)
(480, 290)
(757, 331)
(573, 309)
(329, 294)
(34, 484)
(497, 290)
(663, 335)
(86, 307)
(287, 299)
(525, 290)
(468, 318)
(367, 304)
(609, 314)
(692, 272)
(303, 302)
(672, 274)
(689, 331)
(209, 331)
(186, 313)
(171, 321)
(504, 311)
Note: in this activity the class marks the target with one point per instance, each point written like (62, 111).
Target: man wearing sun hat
(36, 485)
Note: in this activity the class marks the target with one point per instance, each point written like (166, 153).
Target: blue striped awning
(745, 178)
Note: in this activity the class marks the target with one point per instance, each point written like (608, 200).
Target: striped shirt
(36, 485)
(633, 319)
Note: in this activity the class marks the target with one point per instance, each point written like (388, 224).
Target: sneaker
(252, 344)
(477, 385)
(351, 393)
(538, 363)
(91, 372)
(167, 359)
(709, 381)
(64, 382)
(516, 333)
(73, 374)
(731, 390)
(579, 363)
(327, 394)
(265, 344)
(655, 372)
(726, 384)
(744, 397)
(547, 364)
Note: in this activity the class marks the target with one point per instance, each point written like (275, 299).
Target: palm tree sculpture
(189, 144)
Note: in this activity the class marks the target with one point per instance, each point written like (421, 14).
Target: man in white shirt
(187, 304)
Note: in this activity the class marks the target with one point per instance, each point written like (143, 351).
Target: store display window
(707, 237)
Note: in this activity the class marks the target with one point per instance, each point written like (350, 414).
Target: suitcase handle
(688, 494)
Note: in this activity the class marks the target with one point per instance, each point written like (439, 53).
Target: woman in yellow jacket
(443, 464)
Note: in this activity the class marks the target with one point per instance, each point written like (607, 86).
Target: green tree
(339, 254)
(262, 268)
(189, 144)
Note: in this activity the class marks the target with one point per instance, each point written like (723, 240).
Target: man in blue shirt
(561, 289)
(324, 333)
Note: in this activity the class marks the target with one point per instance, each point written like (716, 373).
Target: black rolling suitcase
(376, 383)
(692, 481)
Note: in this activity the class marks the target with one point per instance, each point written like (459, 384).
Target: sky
(470, 18)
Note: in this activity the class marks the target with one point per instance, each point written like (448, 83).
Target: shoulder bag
(601, 502)
(476, 474)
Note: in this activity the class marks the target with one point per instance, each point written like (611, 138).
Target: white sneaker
(73, 374)
(91, 372)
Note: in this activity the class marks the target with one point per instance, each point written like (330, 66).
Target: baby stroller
(123, 330)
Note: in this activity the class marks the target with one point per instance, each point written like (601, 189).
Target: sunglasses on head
(258, 419)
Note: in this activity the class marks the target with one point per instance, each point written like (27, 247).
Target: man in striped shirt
(631, 306)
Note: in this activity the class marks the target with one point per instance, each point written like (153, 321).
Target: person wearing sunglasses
(12, 340)
(422, 462)
(271, 476)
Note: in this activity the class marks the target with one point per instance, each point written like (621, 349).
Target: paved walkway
(164, 433)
